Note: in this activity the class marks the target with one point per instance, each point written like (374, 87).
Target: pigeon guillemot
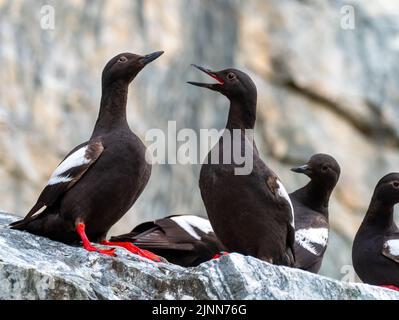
(99, 180)
(186, 240)
(250, 213)
(375, 251)
(311, 210)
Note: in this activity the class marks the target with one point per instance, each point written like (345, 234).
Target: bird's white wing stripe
(284, 194)
(392, 246)
(59, 179)
(76, 159)
(198, 222)
(307, 238)
(188, 222)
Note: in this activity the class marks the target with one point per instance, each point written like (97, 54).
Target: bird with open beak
(249, 213)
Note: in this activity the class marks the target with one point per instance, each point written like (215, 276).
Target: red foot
(391, 287)
(80, 229)
(132, 248)
(221, 254)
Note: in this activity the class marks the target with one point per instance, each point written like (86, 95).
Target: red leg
(218, 255)
(80, 229)
(132, 248)
(391, 287)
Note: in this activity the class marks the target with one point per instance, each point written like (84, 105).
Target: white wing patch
(58, 179)
(284, 194)
(307, 238)
(188, 222)
(76, 159)
(392, 246)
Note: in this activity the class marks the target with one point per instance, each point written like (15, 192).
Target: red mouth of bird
(214, 76)
(210, 73)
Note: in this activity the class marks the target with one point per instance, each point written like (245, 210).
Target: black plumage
(375, 251)
(185, 240)
(249, 209)
(99, 180)
(311, 210)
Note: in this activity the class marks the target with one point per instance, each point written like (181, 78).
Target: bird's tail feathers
(21, 224)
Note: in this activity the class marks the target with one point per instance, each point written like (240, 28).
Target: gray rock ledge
(33, 267)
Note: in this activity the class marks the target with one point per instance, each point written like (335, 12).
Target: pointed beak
(150, 57)
(212, 86)
(305, 169)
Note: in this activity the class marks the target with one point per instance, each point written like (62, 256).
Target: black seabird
(375, 251)
(251, 213)
(99, 180)
(186, 240)
(311, 210)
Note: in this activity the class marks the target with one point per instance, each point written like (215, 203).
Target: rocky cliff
(322, 87)
(32, 267)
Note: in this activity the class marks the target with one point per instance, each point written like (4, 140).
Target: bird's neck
(315, 196)
(380, 214)
(112, 113)
(242, 114)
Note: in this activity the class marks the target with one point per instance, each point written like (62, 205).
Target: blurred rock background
(322, 88)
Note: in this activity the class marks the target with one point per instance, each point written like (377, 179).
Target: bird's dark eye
(122, 59)
(396, 184)
(231, 76)
(324, 168)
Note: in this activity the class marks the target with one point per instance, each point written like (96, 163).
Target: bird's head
(321, 168)
(387, 189)
(232, 83)
(125, 66)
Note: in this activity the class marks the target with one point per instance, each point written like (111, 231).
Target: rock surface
(322, 88)
(33, 267)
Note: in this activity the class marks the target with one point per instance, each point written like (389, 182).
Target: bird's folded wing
(161, 234)
(277, 189)
(191, 231)
(312, 240)
(390, 248)
(68, 173)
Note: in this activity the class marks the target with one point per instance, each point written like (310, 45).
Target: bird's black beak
(150, 57)
(211, 86)
(305, 169)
